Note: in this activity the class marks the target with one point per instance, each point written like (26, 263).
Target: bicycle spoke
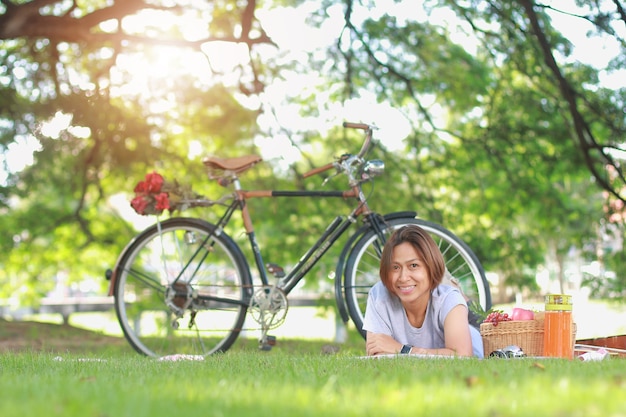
(146, 279)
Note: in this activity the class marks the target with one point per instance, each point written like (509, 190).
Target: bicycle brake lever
(339, 166)
(329, 178)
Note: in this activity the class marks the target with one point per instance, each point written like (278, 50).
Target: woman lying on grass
(410, 310)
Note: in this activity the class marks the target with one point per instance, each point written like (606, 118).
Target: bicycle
(190, 272)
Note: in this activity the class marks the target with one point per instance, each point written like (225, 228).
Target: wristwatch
(406, 349)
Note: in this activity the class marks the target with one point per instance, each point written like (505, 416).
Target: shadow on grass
(32, 336)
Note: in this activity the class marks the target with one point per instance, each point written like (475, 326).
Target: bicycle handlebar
(366, 144)
(318, 170)
(351, 125)
(369, 129)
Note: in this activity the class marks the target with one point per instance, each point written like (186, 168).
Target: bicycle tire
(147, 294)
(362, 266)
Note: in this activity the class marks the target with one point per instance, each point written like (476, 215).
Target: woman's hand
(381, 344)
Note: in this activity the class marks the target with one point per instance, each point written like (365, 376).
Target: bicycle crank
(268, 307)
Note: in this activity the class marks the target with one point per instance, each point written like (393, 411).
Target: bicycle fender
(339, 270)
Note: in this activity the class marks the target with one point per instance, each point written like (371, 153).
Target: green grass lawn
(299, 378)
(254, 383)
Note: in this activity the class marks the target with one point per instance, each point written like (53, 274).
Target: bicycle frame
(240, 196)
(332, 233)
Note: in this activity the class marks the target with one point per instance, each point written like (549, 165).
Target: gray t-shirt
(385, 314)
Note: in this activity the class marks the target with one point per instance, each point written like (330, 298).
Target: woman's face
(409, 275)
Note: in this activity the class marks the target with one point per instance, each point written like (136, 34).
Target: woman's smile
(406, 289)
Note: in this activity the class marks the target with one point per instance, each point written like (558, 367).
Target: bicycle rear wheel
(362, 266)
(181, 289)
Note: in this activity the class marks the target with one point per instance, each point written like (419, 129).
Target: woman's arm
(381, 344)
(457, 333)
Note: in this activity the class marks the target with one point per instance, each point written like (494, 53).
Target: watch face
(406, 349)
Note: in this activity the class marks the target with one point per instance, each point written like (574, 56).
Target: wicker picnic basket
(527, 334)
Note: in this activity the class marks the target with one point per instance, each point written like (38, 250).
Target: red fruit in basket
(496, 317)
(522, 314)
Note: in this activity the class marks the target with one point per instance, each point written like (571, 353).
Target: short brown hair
(425, 247)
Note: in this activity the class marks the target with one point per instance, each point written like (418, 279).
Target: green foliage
(609, 281)
(494, 152)
(62, 220)
(500, 165)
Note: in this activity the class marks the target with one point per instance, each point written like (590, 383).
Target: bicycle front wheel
(181, 289)
(362, 267)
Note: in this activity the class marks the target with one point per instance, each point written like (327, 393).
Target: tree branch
(586, 140)
(25, 21)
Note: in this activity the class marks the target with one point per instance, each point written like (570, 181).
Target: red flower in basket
(140, 204)
(162, 202)
(153, 195)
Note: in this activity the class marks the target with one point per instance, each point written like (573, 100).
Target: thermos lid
(558, 302)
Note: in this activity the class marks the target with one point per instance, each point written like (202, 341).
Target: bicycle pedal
(267, 342)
